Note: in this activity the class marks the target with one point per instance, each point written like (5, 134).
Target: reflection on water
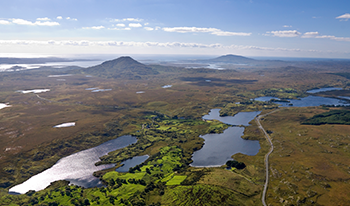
(77, 168)
(218, 148)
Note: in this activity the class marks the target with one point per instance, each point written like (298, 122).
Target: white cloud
(333, 38)
(135, 25)
(46, 23)
(145, 24)
(344, 17)
(149, 28)
(189, 29)
(312, 34)
(213, 31)
(37, 23)
(43, 19)
(120, 29)
(317, 36)
(59, 17)
(4, 22)
(94, 27)
(287, 26)
(285, 33)
(227, 33)
(120, 25)
(71, 19)
(129, 19)
(22, 22)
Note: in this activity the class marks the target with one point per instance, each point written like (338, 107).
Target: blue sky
(288, 28)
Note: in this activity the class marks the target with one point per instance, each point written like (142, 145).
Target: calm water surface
(242, 118)
(127, 164)
(218, 148)
(309, 101)
(76, 168)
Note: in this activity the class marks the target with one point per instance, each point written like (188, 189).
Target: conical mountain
(123, 67)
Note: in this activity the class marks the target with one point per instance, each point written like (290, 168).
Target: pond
(35, 91)
(76, 168)
(67, 124)
(218, 148)
(2, 105)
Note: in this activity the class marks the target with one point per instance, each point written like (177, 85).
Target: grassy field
(310, 163)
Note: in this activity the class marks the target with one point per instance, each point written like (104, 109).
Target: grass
(200, 195)
(176, 180)
(309, 162)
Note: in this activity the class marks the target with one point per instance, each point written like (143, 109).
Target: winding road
(257, 119)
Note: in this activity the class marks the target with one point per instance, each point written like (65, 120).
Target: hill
(233, 59)
(123, 67)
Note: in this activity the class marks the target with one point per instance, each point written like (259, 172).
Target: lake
(242, 118)
(76, 168)
(218, 148)
(309, 101)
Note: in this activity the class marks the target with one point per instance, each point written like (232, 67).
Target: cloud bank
(285, 33)
(213, 31)
(86, 43)
(39, 22)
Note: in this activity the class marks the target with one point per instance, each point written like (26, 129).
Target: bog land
(309, 164)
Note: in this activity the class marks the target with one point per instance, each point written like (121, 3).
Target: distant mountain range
(123, 67)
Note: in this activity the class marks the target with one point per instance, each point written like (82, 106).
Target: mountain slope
(123, 67)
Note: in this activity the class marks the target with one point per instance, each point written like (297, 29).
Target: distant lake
(309, 101)
(76, 168)
(218, 148)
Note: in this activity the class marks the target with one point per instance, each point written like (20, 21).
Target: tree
(236, 164)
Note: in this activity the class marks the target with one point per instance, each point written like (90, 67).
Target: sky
(278, 28)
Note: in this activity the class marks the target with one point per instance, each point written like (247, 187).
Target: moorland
(310, 163)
